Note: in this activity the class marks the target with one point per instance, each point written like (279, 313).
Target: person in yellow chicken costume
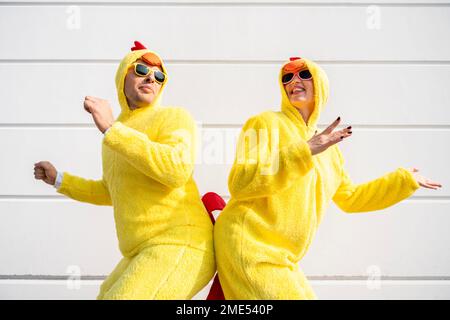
(164, 231)
(282, 180)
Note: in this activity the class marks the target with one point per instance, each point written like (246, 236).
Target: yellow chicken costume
(279, 193)
(164, 231)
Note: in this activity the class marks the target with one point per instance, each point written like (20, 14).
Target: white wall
(389, 80)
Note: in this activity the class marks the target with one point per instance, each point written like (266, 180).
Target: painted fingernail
(349, 127)
(339, 118)
(349, 132)
(342, 137)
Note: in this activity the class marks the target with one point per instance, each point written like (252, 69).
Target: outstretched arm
(169, 161)
(377, 194)
(84, 190)
(261, 168)
(77, 188)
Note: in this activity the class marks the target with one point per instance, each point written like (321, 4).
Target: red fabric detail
(212, 201)
(294, 58)
(216, 292)
(138, 46)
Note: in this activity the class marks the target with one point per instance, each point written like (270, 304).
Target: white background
(389, 70)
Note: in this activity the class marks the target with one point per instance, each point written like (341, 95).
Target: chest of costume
(116, 168)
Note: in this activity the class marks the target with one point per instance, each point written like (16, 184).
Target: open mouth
(298, 90)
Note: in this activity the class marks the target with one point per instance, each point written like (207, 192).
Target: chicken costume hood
(321, 93)
(272, 216)
(137, 52)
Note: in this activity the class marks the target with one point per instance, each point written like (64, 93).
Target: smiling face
(300, 92)
(141, 91)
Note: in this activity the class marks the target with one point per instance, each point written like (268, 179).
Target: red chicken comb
(138, 46)
(294, 58)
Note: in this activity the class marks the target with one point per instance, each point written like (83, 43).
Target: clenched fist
(44, 170)
(322, 141)
(101, 112)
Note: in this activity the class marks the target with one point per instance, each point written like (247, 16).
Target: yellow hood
(121, 73)
(321, 92)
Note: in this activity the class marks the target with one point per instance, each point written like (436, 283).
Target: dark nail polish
(349, 127)
(342, 137)
(349, 132)
(339, 118)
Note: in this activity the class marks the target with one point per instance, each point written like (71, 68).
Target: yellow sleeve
(84, 190)
(261, 167)
(169, 161)
(377, 194)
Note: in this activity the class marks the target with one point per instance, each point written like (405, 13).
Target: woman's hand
(44, 170)
(101, 112)
(424, 182)
(320, 142)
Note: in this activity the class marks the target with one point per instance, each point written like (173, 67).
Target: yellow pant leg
(304, 283)
(235, 284)
(266, 281)
(164, 272)
(112, 278)
(243, 276)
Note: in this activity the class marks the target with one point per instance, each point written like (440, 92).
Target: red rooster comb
(138, 46)
(294, 58)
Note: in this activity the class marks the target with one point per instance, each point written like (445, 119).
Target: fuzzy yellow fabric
(279, 193)
(161, 223)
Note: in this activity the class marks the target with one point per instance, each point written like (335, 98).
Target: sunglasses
(302, 74)
(143, 70)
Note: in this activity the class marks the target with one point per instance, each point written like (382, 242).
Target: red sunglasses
(302, 74)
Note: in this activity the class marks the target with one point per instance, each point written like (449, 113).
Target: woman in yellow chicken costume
(164, 231)
(282, 180)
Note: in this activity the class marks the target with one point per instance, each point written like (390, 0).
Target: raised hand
(322, 141)
(101, 112)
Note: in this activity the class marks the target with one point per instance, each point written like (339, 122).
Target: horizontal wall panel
(231, 93)
(59, 290)
(385, 290)
(227, 32)
(325, 290)
(235, 2)
(369, 153)
(64, 238)
(49, 290)
(408, 239)
(57, 238)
